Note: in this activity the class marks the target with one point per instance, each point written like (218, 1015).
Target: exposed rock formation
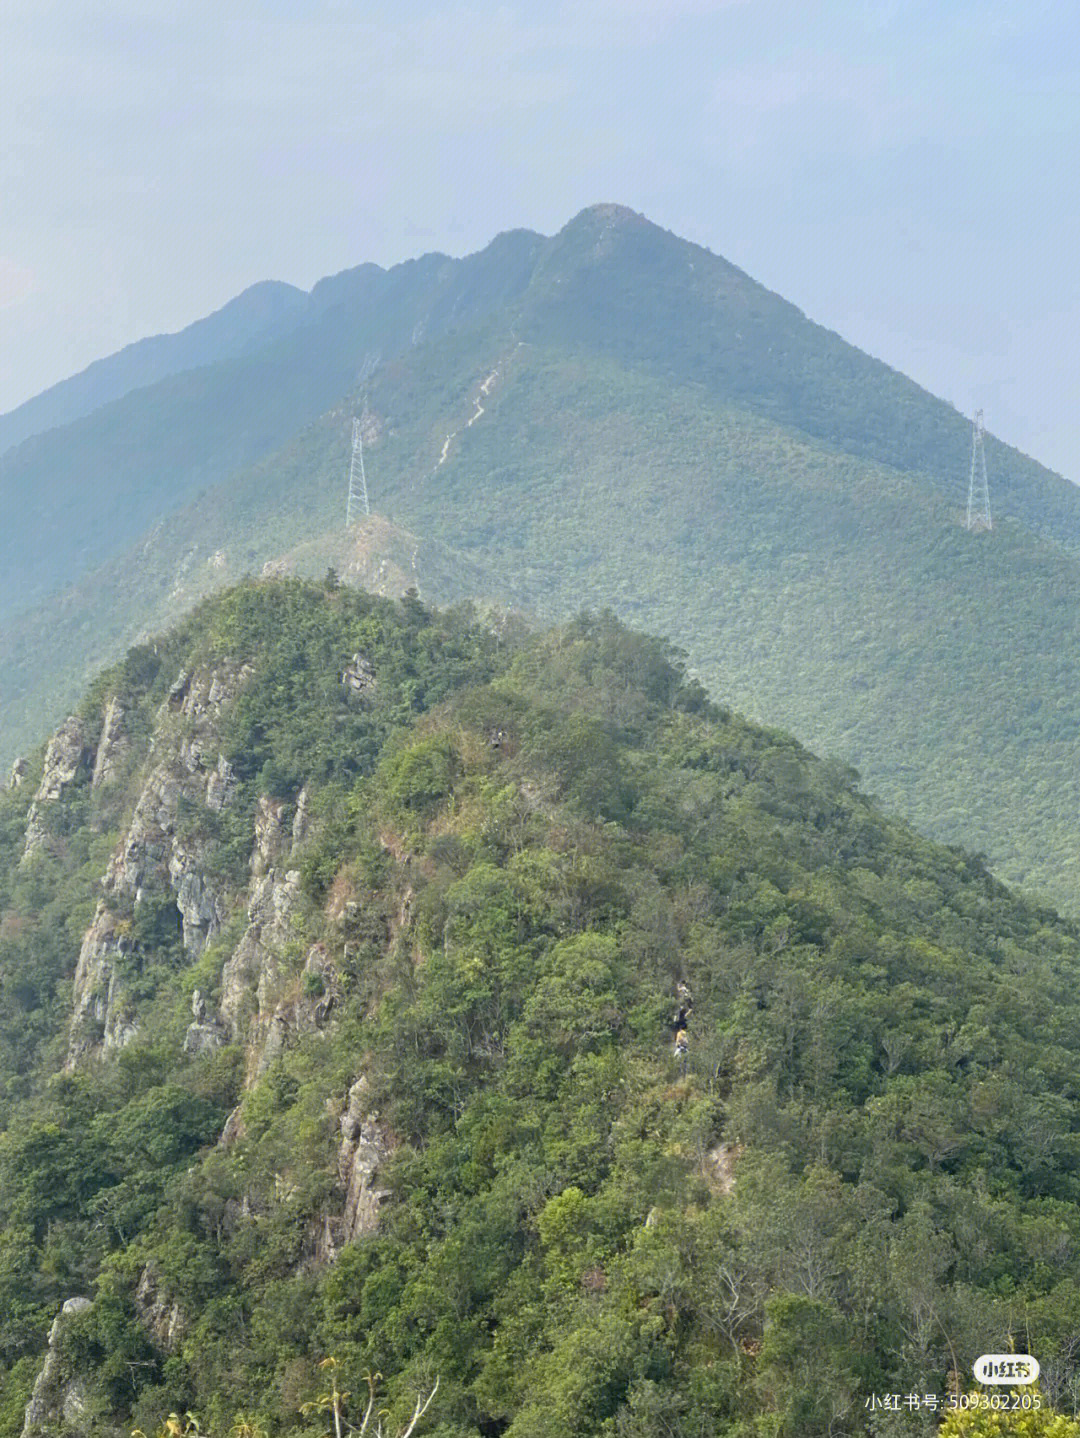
(220, 785)
(112, 746)
(201, 904)
(234, 1128)
(145, 847)
(358, 676)
(155, 851)
(178, 690)
(152, 845)
(254, 967)
(163, 1319)
(365, 1147)
(288, 1011)
(206, 1032)
(64, 759)
(719, 1168)
(37, 833)
(56, 1404)
(19, 771)
(302, 818)
(99, 1019)
(269, 844)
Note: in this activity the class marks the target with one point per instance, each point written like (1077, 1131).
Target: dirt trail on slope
(479, 400)
(485, 390)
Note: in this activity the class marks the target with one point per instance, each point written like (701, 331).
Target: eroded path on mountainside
(478, 410)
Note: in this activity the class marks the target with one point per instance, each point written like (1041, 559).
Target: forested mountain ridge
(610, 283)
(341, 945)
(614, 417)
(75, 495)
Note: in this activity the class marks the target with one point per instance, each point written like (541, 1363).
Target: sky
(904, 172)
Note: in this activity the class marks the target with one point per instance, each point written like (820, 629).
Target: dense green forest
(342, 951)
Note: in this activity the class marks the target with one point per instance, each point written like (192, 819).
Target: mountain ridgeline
(608, 418)
(343, 943)
(248, 322)
(81, 492)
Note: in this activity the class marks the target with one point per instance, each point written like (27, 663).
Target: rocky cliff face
(64, 760)
(112, 746)
(267, 999)
(276, 986)
(265, 1003)
(158, 852)
(58, 1401)
(162, 1319)
(253, 968)
(366, 1145)
(153, 846)
(101, 1021)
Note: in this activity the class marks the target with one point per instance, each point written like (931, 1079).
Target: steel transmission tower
(978, 506)
(358, 495)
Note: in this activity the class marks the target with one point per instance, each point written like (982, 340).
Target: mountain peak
(607, 216)
(608, 211)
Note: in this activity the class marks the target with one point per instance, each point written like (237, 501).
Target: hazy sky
(905, 172)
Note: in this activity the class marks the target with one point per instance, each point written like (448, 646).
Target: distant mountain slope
(253, 317)
(614, 417)
(72, 497)
(47, 656)
(613, 284)
(609, 284)
(813, 589)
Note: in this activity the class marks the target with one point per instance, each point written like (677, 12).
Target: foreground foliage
(867, 1172)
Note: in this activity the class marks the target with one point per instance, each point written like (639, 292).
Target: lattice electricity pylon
(358, 495)
(978, 506)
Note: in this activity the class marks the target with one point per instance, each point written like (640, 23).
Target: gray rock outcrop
(302, 818)
(358, 676)
(200, 901)
(221, 785)
(57, 1403)
(112, 746)
(365, 1147)
(270, 843)
(153, 846)
(157, 851)
(206, 1032)
(64, 759)
(19, 771)
(265, 1003)
(164, 1320)
(99, 1018)
(255, 966)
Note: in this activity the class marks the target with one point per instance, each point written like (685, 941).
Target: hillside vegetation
(337, 1017)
